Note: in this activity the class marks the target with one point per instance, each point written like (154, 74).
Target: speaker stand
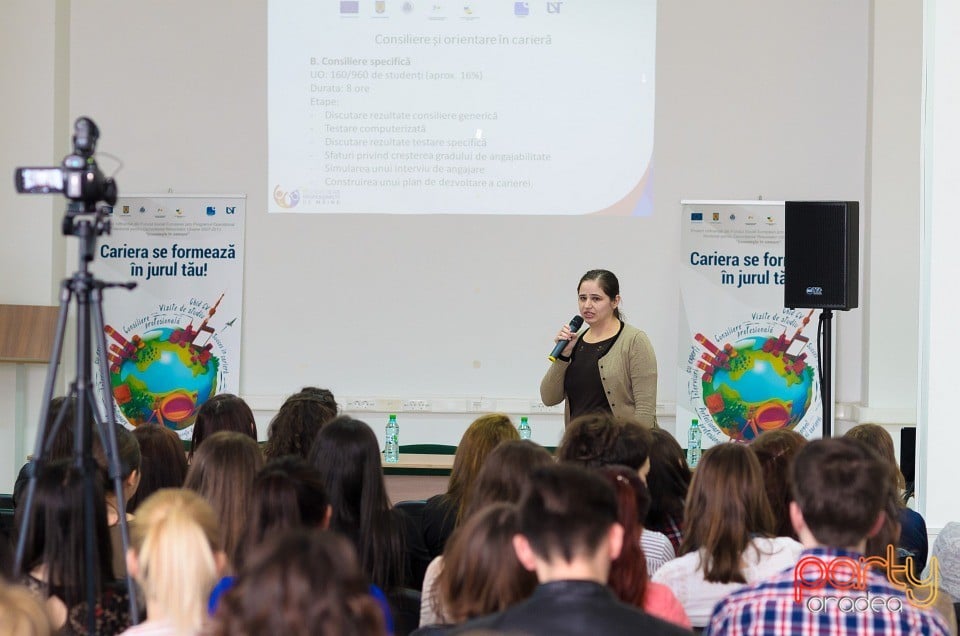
(826, 370)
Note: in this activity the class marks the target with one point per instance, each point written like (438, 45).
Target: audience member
(443, 512)
(58, 442)
(481, 574)
(222, 412)
(163, 462)
(727, 540)
(776, 449)
(21, 614)
(568, 534)
(54, 558)
(668, 482)
(287, 493)
(388, 541)
(300, 583)
(176, 558)
(628, 572)
(502, 478)
(129, 458)
(222, 472)
(602, 439)
(294, 427)
(840, 490)
(905, 528)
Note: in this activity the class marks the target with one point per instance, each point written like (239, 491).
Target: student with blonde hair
(21, 614)
(176, 558)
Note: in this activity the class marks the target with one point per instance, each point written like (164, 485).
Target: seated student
(728, 540)
(776, 449)
(54, 556)
(300, 582)
(668, 482)
(128, 449)
(568, 535)
(175, 558)
(294, 427)
(443, 512)
(222, 412)
(21, 614)
(163, 462)
(59, 440)
(628, 572)
(839, 491)
(602, 439)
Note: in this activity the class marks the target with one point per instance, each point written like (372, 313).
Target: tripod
(86, 222)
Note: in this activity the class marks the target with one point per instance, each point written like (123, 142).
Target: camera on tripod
(79, 178)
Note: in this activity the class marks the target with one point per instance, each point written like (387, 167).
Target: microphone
(574, 327)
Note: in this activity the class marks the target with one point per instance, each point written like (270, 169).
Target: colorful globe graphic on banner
(162, 381)
(760, 390)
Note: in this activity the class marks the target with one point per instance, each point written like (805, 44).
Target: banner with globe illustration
(174, 341)
(745, 364)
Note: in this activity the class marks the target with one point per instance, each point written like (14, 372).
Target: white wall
(754, 98)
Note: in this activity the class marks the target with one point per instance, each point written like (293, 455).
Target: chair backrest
(405, 605)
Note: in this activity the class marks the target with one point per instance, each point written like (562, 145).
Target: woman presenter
(610, 366)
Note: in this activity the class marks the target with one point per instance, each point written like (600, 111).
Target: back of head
(301, 583)
(776, 449)
(175, 536)
(222, 471)
(64, 410)
(481, 437)
(628, 572)
(668, 480)
(222, 412)
(295, 426)
(347, 455)
(481, 574)
(566, 512)
(288, 493)
(602, 439)
(841, 487)
(55, 537)
(505, 473)
(727, 505)
(21, 613)
(129, 457)
(880, 441)
(163, 463)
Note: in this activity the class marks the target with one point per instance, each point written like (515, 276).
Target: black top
(438, 519)
(582, 384)
(112, 613)
(571, 607)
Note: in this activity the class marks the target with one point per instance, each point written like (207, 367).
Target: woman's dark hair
(608, 282)
(668, 482)
(727, 507)
(223, 412)
(628, 572)
(299, 583)
(222, 472)
(55, 537)
(347, 455)
(776, 449)
(163, 463)
(61, 445)
(504, 474)
(481, 437)
(287, 493)
(294, 427)
(128, 454)
(481, 574)
(601, 439)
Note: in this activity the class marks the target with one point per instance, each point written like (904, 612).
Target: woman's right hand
(566, 334)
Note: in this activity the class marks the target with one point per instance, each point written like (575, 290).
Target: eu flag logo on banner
(696, 216)
(349, 6)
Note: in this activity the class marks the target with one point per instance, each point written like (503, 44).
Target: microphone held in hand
(558, 348)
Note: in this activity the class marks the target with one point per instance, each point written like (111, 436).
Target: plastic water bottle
(524, 429)
(693, 444)
(391, 444)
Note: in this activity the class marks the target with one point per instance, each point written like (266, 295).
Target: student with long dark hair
(54, 562)
(668, 482)
(295, 426)
(776, 449)
(222, 412)
(728, 539)
(163, 462)
(388, 541)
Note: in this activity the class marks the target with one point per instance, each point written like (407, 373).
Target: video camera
(78, 178)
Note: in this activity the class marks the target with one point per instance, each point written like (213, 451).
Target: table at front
(417, 476)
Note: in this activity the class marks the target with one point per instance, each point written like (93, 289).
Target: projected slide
(467, 107)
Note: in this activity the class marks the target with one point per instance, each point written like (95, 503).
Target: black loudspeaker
(908, 453)
(821, 256)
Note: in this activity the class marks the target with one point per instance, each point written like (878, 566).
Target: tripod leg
(38, 450)
(108, 435)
